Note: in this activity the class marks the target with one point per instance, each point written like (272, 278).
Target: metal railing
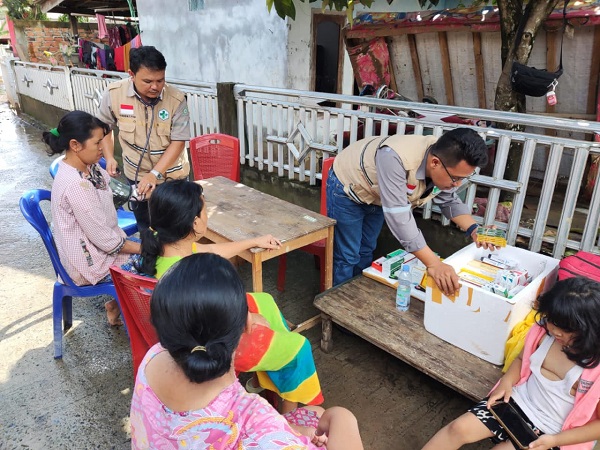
(75, 88)
(4, 51)
(202, 102)
(8, 77)
(89, 85)
(46, 83)
(290, 132)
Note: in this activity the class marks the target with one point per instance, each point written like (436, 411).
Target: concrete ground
(82, 401)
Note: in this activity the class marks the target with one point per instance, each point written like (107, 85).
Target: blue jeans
(356, 231)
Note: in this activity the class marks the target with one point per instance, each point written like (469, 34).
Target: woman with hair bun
(281, 360)
(84, 219)
(187, 394)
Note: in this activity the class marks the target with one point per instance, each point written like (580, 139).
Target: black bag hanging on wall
(537, 82)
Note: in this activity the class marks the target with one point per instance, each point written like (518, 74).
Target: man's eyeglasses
(454, 178)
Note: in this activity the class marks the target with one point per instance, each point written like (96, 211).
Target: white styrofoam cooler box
(477, 320)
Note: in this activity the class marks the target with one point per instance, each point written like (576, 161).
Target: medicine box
(479, 321)
(393, 264)
(417, 270)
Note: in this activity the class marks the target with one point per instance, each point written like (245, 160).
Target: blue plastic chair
(126, 219)
(64, 287)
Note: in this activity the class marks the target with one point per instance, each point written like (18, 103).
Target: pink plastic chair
(316, 248)
(215, 155)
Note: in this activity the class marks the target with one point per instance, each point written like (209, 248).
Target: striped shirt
(85, 227)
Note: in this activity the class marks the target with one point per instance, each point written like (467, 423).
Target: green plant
(24, 10)
(80, 19)
(286, 8)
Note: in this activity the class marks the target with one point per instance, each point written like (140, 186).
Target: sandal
(251, 389)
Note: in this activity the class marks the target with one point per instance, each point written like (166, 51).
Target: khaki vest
(133, 129)
(355, 167)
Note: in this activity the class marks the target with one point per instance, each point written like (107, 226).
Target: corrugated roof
(120, 7)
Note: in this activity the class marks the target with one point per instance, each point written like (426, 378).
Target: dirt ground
(82, 401)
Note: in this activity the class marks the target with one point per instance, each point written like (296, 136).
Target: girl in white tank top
(554, 384)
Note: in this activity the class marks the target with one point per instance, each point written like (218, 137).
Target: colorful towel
(283, 360)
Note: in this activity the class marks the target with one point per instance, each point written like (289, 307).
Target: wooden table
(367, 308)
(237, 212)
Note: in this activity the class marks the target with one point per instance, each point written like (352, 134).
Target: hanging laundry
(124, 33)
(80, 49)
(101, 59)
(120, 58)
(114, 37)
(86, 58)
(136, 41)
(94, 62)
(126, 50)
(110, 58)
(102, 31)
(132, 30)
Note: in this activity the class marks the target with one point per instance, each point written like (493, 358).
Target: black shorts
(499, 435)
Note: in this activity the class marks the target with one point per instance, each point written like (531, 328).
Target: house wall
(240, 41)
(300, 35)
(227, 40)
(36, 37)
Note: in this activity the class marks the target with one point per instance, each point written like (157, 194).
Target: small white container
(477, 320)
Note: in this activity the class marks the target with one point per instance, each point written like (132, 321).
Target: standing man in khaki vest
(386, 177)
(153, 122)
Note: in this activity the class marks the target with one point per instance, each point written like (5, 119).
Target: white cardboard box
(477, 320)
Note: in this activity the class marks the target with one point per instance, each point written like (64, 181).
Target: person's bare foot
(113, 313)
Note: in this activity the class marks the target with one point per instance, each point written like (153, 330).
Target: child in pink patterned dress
(186, 393)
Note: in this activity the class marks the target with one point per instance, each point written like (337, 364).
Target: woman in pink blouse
(186, 393)
(84, 219)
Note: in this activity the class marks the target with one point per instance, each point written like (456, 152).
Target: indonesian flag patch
(410, 188)
(126, 110)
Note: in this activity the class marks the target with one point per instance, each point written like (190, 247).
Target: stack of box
(385, 270)
(501, 276)
(391, 263)
(492, 236)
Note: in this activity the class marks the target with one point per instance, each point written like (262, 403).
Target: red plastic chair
(134, 292)
(215, 155)
(316, 248)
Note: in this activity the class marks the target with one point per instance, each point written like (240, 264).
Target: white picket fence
(289, 132)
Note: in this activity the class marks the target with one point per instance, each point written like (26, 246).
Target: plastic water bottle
(403, 292)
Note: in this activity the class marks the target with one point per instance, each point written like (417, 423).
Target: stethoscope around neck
(134, 204)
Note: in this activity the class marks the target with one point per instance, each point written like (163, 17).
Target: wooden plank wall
(462, 68)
